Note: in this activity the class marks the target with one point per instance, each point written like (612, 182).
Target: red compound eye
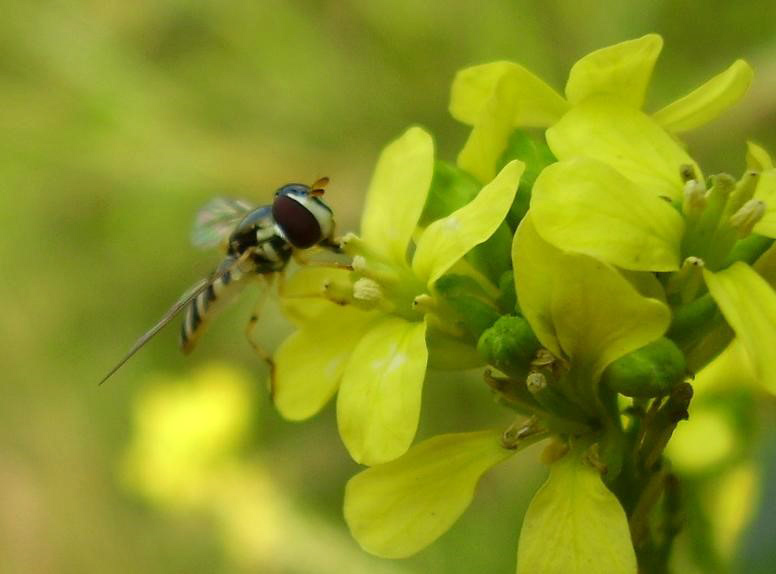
(296, 221)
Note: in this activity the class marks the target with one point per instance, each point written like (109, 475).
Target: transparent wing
(179, 305)
(168, 316)
(216, 220)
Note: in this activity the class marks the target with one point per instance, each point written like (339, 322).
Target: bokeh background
(119, 119)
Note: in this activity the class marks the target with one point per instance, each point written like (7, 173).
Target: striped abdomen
(205, 305)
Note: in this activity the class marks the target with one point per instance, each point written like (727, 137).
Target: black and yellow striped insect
(259, 242)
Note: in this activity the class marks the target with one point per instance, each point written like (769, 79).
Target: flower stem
(646, 480)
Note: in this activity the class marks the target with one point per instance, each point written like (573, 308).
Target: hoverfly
(259, 241)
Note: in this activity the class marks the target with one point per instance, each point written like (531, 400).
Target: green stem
(646, 480)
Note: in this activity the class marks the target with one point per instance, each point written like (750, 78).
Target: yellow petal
(309, 364)
(535, 262)
(599, 316)
(708, 101)
(398, 508)
(575, 524)
(757, 158)
(378, 406)
(766, 191)
(301, 295)
(622, 70)
(626, 139)
(397, 194)
(585, 206)
(536, 103)
(491, 131)
(749, 306)
(448, 239)
(580, 305)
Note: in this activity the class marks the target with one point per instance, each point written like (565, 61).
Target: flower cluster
(590, 262)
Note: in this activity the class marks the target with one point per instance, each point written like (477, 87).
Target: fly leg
(250, 329)
(302, 259)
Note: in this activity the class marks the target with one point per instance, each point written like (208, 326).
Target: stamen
(744, 191)
(376, 271)
(424, 303)
(337, 292)
(367, 290)
(694, 198)
(684, 284)
(536, 382)
(747, 217)
(687, 173)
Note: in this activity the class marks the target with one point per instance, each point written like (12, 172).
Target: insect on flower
(259, 242)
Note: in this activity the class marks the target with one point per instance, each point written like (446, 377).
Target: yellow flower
(573, 524)
(588, 315)
(618, 194)
(374, 348)
(495, 98)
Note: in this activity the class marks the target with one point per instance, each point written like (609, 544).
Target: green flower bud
(493, 257)
(509, 345)
(650, 371)
(536, 155)
(466, 301)
(700, 331)
(507, 300)
(451, 188)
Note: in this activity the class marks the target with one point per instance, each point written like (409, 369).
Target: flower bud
(493, 257)
(509, 345)
(536, 155)
(451, 188)
(650, 371)
(466, 304)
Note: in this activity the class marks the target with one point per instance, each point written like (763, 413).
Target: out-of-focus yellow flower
(184, 431)
(495, 98)
(703, 442)
(732, 501)
(374, 348)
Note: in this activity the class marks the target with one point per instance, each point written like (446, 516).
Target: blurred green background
(118, 120)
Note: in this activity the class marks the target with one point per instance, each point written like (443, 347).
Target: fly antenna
(318, 187)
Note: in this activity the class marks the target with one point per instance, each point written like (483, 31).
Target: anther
(747, 217)
(424, 303)
(694, 198)
(367, 290)
(744, 191)
(687, 173)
